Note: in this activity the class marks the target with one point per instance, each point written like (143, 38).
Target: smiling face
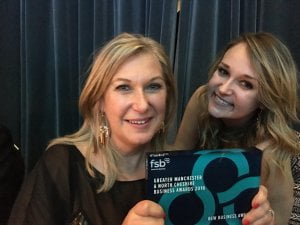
(135, 103)
(233, 88)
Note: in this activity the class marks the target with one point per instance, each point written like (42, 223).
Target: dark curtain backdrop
(47, 46)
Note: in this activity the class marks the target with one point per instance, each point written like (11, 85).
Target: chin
(214, 113)
(219, 114)
(142, 140)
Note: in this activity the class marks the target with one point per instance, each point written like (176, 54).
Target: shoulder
(46, 192)
(58, 157)
(57, 153)
(197, 98)
(59, 150)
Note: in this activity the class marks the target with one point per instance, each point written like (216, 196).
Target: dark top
(11, 173)
(59, 190)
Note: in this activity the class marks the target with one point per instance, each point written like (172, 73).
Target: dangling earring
(104, 130)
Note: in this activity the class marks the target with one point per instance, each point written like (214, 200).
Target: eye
(153, 87)
(123, 88)
(246, 84)
(222, 71)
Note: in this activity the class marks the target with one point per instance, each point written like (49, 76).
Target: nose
(140, 102)
(226, 87)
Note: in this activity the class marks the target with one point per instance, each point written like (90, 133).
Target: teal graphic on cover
(204, 187)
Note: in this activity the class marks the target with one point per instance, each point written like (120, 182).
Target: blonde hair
(278, 97)
(105, 65)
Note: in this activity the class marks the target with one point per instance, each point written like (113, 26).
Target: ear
(99, 106)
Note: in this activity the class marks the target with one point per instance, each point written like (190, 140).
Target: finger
(267, 219)
(147, 208)
(261, 198)
(145, 212)
(134, 219)
(260, 206)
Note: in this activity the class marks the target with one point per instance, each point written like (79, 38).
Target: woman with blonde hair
(97, 174)
(250, 100)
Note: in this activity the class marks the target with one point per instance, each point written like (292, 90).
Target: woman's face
(135, 102)
(233, 88)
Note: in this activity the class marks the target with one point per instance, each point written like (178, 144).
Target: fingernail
(165, 216)
(246, 222)
(255, 205)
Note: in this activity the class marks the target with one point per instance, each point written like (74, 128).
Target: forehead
(140, 65)
(237, 59)
(237, 51)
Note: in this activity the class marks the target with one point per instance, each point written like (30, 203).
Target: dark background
(47, 46)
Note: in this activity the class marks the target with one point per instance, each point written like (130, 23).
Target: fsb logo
(159, 164)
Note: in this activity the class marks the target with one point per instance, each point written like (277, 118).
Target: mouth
(221, 101)
(139, 121)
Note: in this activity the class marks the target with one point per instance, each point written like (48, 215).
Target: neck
(132, 167)
(237, 123)
(237, 136)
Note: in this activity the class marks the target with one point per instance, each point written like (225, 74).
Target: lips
(139, 121)
(221, 101)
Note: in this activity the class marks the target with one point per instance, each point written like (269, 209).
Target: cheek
(160, 103)
(114, 108)
(249, 101)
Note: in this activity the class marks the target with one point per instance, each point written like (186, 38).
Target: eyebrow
(246, 75)
(127, 80)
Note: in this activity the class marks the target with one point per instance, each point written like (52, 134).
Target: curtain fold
(282, 18)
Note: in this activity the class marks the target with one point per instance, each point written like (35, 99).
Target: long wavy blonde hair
(278, 96)
(104, 67)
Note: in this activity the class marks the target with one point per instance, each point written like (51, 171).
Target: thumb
(147, 208)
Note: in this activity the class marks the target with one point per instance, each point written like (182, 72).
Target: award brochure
(210, 187)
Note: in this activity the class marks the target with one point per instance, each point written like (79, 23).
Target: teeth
(221, 101)
(137, 121)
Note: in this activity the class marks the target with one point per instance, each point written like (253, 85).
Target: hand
(261, 212)
(145, 212)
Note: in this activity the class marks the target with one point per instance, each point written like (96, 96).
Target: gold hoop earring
(104, 130)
